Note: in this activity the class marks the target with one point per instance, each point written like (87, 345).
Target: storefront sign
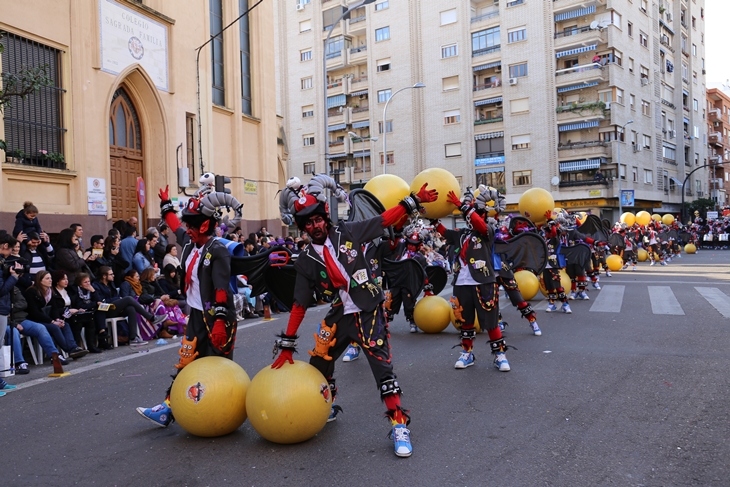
(627, 197)
(594, 192)
(582, 203)
(250, 187)
(96, 196)
(128, 37)
(483, 161)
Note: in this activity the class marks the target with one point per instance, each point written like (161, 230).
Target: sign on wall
(96, 196)
(627, 197)
(128, 37)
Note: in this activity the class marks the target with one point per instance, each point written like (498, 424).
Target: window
(335, 46)
(305, 55)
(694, 23)
(520, 142)
(190, 145)
(632, 101)
(308, 168)
(245, 54)
(518, 70)
(308, 140)
(307, 83)
(388, 126)
(644, 5)
(329, 17)
(216, 52)
(635, 174)
(521, 178)
(696, 132)
(695, 105)
(450, 50)
(383, 65)
(384, 95)
(644, 73)
(382, 34)
(669, 153)
(685, 72)
(493, 178)
(448, 16)
(647, 142)
(485, 41)
(631, 65)
(643, 39)
(381, 5)
(35, 123)
(391, 158)
(622, 171)
(307, 111)
(516, 35)
(452, 150)
(648, 176)
(694, 77)
(645, 107)
(630, 28)
(305, 26)
(452, 116)
(520, 105)
(450, 83)
(490, 147)
(619, 96)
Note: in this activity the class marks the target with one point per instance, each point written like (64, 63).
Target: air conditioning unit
(644, 81)
(669, 17)
(665, 39)
(672, 134)
(608, 105)
(300, 6)
(716, 124)
(637, 148)
(512, 81)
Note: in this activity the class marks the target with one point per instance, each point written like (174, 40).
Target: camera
(8, 263)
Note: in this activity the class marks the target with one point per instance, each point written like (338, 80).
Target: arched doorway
(126, 160)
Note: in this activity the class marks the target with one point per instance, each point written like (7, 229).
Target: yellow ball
(432, 314)
(564, 282)
(477, 327)
(628, 218)
(528, 283)
(668, 219)
(614, 262)
(290, 404)
(208, 397)
(388, 188)
(534, 203)
(442, 181)
(656, 217)
(642, 255)
(643, 218)
(690, 248)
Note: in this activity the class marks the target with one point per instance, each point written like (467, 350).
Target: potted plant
(15, 156)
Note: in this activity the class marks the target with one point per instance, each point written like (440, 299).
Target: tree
(703, 205)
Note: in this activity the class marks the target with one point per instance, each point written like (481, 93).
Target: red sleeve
(295, 319)
(393, 215)
(441, 228)
(478, 223)
(172, 221)
(590, 240)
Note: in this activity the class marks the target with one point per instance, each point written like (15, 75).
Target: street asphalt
(624, 395)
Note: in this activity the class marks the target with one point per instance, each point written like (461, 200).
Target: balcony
(668, 103)
(716, 138)
(356, 55)
(580, 36)
(359, 113)
(715, 115)
(485, 19)
(335, 60)
(357, 24)
(486, 50)
(584, 149)
(582, 73)
(483, 121)
(358, 84)
(595, 110)
(488, 86)
(338, 115)
(336, 87)
(589, 181)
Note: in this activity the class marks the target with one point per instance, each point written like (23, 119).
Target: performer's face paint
(412, 247)
(316, 227)
(197, 235)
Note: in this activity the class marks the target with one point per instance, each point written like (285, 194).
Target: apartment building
(518, 94)
(718, 106)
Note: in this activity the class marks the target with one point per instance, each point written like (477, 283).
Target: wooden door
(126, 160)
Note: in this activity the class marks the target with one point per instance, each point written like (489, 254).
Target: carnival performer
(629, 255)
(555, 262)
(476, 291)
(570, 236)
(334, 260)
(400, 295)
(211, 328)
(598, 261)
(654, 248)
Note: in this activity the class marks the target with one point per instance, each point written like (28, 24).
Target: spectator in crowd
(17, 315)
(132, 222)
(249, 248)
(7, 283)
(63, 305)
(171, 257)
(85, 300)
(79, 233)
(160, 248)
(141, 259)
(66, 257)
(170, 284)
(93, 253)
(153, 239)
(38, 252)
(26, 220)
(128, 245)
(162, 303)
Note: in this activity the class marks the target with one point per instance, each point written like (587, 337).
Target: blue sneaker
(466, 359)
(7, 387)
(161, 414)
(402, 440)
(551, 308)
(572, 295)
(334, 411)
(413, 327)
(535, 329)
(566, 308)
(2, 393)
(500, 361)
(583, 295)
(352, 353)
(596, 285)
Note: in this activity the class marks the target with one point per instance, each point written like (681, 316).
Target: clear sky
(717, 55)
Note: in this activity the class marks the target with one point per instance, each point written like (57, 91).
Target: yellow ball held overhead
(442, 181)
(642, 255)
(208, 397)
(668, 219)
(290, 404)
(528, 283)
(628, 218)
(432, 314)
(388, 188)
(564, 282)
(643, 218)
(690, 248)
(534, 203)
(614, 262)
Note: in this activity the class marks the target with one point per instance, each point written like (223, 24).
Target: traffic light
(220, 184)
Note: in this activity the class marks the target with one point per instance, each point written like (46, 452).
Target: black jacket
(479, 253)
(42, 312)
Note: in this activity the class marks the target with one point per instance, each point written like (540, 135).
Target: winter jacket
(40, 311)
(125, 290)
(7, 283)
(20, 307)
(68, 260)
(23, 224)
(140, 262)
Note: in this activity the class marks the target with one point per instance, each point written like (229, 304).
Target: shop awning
(359, 153)
(578, 126)
(487, 66)
(488, 101)
(336, 101)
(666, 26)
(572, 14)
(358, 93)
(491, 135)
(577, 87)
(359, 125)
(582, 165)
(577, 50)
(339, 126)
(339, 155)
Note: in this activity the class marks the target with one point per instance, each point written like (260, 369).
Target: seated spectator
(66, 257)
(132, 288)
(26, 220)
(171, 257)
(169, 282)
(141, 259)
(249, 247)
(84, 299)
(110, 257)
(38, 252)
(93, 253)
(163, 304)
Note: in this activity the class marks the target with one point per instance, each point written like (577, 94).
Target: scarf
(136, 286)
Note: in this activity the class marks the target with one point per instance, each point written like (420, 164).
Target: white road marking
(609, 300)
(663, 301)
(719, 300)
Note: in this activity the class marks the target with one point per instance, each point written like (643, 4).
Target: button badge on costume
(196, 392)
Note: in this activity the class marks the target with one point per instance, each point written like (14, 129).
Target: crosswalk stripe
(609, 300)
(663, 301)
(719, 300)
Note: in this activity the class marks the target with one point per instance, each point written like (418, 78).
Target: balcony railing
(668, 103)
(358, 19)
(360, 109)
(582, 144)
(486, 50)
(482, 121)
(578, 69)
(671, 162)
(355, 50)
(573, 31)
(488, 86)
(586, 182)
(485, 16)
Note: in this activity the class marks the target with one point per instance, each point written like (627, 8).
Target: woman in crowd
(164, 304)
(169, 282)
(66, 257)
(142, 259)
(112, 258)
(85, 300)
(171, 257)
(132, 288)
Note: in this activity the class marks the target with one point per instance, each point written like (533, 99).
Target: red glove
(451, 197)
(549, 215)
(165, 193)
(284, 356)
(218, 336)
(427, 195)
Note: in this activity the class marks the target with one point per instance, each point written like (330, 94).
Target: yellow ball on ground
(528, 283)
(642, 255)
(442, 181)
(290, 404)
(208, 397)
(564, 282)
(534, 203)
(432, 314)
(643, 218)
(690, 248)
(477, 327)
(628, 218)
(388, 188)
(668, 219)
(614, 262)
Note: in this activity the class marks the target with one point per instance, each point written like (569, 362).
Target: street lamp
(618, 167)
(385, 124)
(345, 15)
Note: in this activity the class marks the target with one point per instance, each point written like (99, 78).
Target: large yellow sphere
(690, 248)
(642, 255)
(668, 219)
(564, 282)
(290, 404)
(208, 397)
(614, 262)
(628, 218)
(442, 181)
(388, 188)
(477, 327)
(528, 283)
(534, 203)
(643, 218)
(656, 217)
(432, 314)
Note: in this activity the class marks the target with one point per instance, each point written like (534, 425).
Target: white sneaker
(535, 329)
(466, 359)
(573, 295)
(500, 361)
(608, 273)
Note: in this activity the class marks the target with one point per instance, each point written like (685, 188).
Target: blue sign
(484, 161)
(627, 197)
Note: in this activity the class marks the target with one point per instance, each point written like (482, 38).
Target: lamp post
(385, 127)
(618, 168)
